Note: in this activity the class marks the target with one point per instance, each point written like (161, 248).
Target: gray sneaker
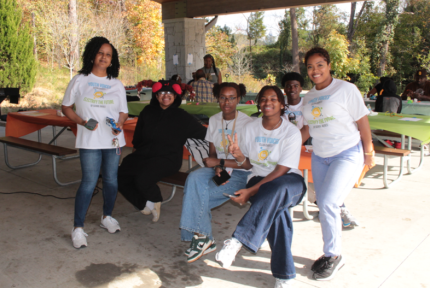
(347, 218)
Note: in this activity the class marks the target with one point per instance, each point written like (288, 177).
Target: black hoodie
(163, 132)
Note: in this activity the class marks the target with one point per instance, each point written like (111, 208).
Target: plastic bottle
(369, 108)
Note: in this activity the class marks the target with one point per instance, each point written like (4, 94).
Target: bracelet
(240, 163)
(370, 153)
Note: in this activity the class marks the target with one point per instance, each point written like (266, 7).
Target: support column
(183, 36)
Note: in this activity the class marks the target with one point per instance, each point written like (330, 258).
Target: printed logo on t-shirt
(98, 100)
(265, 149)
(98, 94)
(262, 155)
(316, 111)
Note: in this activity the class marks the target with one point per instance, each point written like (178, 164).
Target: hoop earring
(110, 65)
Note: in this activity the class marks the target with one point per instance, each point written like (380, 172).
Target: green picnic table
(208, 109)
(417, 129)
(420, 108)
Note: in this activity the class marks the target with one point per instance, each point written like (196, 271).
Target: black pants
(138, 177)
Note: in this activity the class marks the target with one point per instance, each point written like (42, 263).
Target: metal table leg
(6, 154)
(411, 170)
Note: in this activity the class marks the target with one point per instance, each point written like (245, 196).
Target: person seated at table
(99, 146)
(201, 194)
(377, 89)
(419, 89)
(212, 73)
(293, 83)
(340, 130)
(388, 100)
(271, 147)
(203, 88)
(192, 80)
(161, 132)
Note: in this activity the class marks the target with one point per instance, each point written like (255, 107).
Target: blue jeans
(268, 217)
(202, 195)
(91, 161)
(334, 178)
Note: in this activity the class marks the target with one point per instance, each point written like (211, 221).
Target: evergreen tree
(17, 63)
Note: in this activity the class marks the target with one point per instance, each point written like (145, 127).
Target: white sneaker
(78, 238)
(347, 218)
(110, 224)
(228, 252)
(284, 283)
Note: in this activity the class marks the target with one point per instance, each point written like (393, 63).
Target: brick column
(183, 36)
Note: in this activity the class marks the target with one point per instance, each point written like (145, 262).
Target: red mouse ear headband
(177, 89)
(156, 87)
(166, 86)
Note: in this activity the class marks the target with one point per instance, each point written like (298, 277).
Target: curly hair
(292, 76)
(278, 92)
(317, 50)
(240, 89)
(90, 52)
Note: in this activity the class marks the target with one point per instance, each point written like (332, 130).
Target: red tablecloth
(22, 123)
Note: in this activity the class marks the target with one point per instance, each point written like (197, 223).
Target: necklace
(227, 123)
(276, 126)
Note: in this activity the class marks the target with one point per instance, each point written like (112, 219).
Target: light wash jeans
(202, 195)
(91, 162)
(334, 178)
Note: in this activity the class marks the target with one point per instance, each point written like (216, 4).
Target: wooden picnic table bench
(40, 148)
(391, 152)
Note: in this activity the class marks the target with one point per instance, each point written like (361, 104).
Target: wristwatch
(221, 163)
(240, 163)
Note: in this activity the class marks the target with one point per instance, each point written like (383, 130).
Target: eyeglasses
(164, 93)
(223, 99)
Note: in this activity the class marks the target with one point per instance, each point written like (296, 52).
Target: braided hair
(213, 63)
(240, 89)
(90, 52)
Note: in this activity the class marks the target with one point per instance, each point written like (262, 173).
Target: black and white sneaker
(325, 268)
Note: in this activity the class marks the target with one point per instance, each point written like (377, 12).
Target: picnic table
(419, 108)
(208, 109)
(415, 126)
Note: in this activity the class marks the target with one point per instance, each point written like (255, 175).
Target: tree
(353, 22)
(385, 34)
(325, 18)
(294, 41)
(284, 37)
(146, 29)
(255, 28)
(17, 63)
(219, 47)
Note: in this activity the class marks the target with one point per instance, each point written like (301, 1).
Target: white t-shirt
(96, 97)
(296, 110)
(214, 133)
(331, 114)
(266, 149)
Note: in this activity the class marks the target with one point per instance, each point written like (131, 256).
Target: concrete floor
(391, 248)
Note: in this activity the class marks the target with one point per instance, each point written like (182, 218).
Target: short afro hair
(90, 52)
(292, 76)
(317, 50)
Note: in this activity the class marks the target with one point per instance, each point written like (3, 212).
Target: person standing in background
(212, 73)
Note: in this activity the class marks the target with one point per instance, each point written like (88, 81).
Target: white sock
(150, 205)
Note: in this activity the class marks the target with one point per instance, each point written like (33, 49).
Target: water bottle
(369, 108)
